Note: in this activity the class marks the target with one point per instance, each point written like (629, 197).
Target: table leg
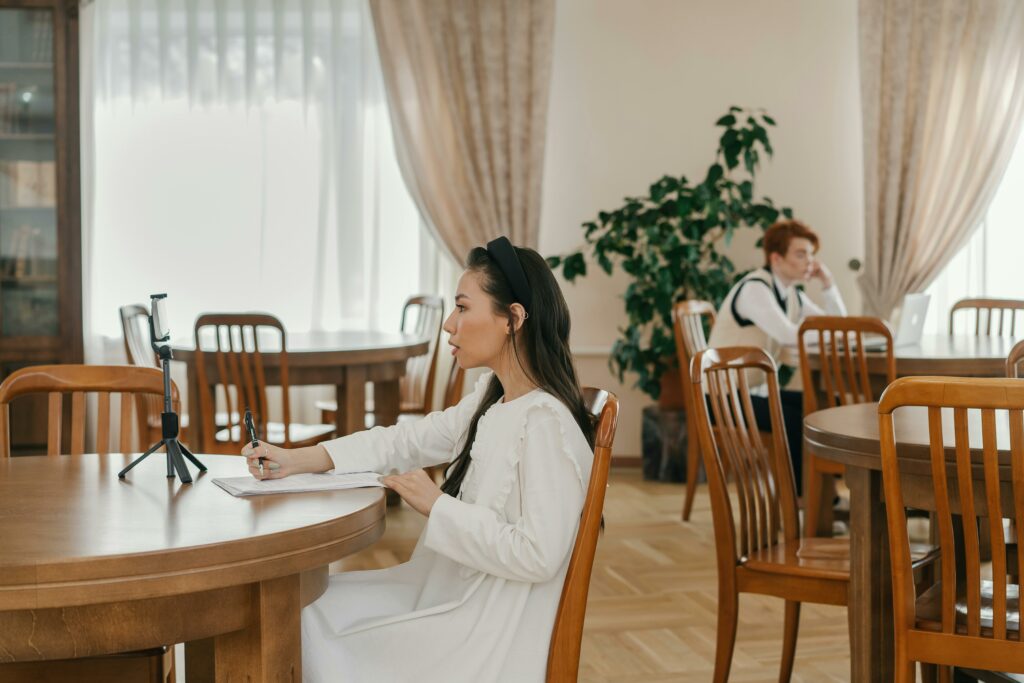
(199, 661)
(870, 600)
(340, 419)
(195, 420)
(354, 418)
(386, 402)
(270, 648)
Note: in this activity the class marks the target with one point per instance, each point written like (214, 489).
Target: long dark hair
(541, 346)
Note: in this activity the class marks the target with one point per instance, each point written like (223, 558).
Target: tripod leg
(188, 454)
(152, 449)
(179, 462)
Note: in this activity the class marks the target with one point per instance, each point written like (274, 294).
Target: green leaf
(553, 262)
(727, 120)
(767, 119)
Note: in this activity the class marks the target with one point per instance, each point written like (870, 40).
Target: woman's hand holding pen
(288, 460)
(416, 488)
(283, 458)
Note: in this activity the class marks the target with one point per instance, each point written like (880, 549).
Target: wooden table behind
(937, 354)
(345, 359)
(91, 564)
(849, 435)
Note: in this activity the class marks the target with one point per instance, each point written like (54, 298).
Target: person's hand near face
(820, 270)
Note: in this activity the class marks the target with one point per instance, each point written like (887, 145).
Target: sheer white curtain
(989, 264)
(237, 154)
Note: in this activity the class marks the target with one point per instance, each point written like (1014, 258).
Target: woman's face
(476, 333)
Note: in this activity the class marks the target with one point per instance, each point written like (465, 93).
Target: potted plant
(670, 243)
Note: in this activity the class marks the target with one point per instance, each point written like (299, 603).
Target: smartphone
(161, 327)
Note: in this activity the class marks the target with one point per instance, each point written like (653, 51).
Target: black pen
(252, 436)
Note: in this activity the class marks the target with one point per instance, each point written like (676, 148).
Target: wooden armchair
(988, 310)
(963, 620)
(239, 376)
(763, 553)
(423, 316)
(135, 329)
(688, 325)
(567, 634)
(156, 664)
(844, 381)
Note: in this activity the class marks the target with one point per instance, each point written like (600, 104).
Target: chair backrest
(1013, 360)
(422, 316)
(983, 501)
(456, 381)
(79, 380)
(763, 476)
(239, 376)
(843, 362)
(567, 634)
(688, 327)
(987, 309)
(135, 328)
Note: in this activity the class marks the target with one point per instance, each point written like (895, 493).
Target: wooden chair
(423, 316)
(567, 634)
(452, 395)
(765, 554)
(1013, 360)
(155, 664)
(987, 309)
(963, 620)
(135, 329)
(844, 381)
(240, 380)
(688, 324)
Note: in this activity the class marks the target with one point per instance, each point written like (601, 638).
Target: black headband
(504, 254)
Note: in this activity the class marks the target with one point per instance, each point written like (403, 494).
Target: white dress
(477, 600)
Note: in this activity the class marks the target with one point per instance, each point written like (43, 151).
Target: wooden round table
(948, 355)
(849, 435)
(345, 359)
(92, 565)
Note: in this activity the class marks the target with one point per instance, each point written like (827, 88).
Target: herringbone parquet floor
(651, 614)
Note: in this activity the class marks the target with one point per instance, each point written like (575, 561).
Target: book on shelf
(28, 184)
(23, 253)
(42, 38)
(8, 107)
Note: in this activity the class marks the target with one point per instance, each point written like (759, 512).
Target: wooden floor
(651, 614)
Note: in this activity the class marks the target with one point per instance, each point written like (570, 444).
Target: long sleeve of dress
(533, 548)
(408, 445)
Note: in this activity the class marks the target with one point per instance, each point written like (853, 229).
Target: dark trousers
(792, 423)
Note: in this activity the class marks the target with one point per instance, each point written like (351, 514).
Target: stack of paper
(298, 483)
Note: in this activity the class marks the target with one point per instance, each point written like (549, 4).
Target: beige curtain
(942, 87)
(467, 84)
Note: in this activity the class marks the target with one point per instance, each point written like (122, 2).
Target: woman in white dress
(477, 600)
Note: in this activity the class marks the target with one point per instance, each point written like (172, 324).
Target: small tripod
(176, 451)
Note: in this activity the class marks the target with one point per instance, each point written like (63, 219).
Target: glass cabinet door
(28, 176)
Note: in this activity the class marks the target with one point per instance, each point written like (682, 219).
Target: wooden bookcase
(40, 236)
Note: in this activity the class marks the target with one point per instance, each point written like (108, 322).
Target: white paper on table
(298, 483)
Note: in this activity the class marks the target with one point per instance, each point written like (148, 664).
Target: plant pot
(664, 441)
(671, 397)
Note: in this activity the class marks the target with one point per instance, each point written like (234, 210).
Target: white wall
(636, 88)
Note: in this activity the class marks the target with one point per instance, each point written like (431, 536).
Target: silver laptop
(911, 324)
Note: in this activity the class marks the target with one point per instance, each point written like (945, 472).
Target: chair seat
(823, 558)
(929, 610)
(275, 432)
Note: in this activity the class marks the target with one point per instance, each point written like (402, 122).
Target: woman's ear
(519, 314)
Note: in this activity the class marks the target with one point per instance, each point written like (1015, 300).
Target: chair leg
(728, 614)
(692, 471)
(789, 633)
(905, 670)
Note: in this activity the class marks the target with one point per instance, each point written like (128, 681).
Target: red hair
(778, 236)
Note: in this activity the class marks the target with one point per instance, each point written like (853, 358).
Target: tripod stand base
(176, 455)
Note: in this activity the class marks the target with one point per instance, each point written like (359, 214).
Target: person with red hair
(765, 309)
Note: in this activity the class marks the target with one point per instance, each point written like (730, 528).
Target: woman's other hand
(416, 488)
